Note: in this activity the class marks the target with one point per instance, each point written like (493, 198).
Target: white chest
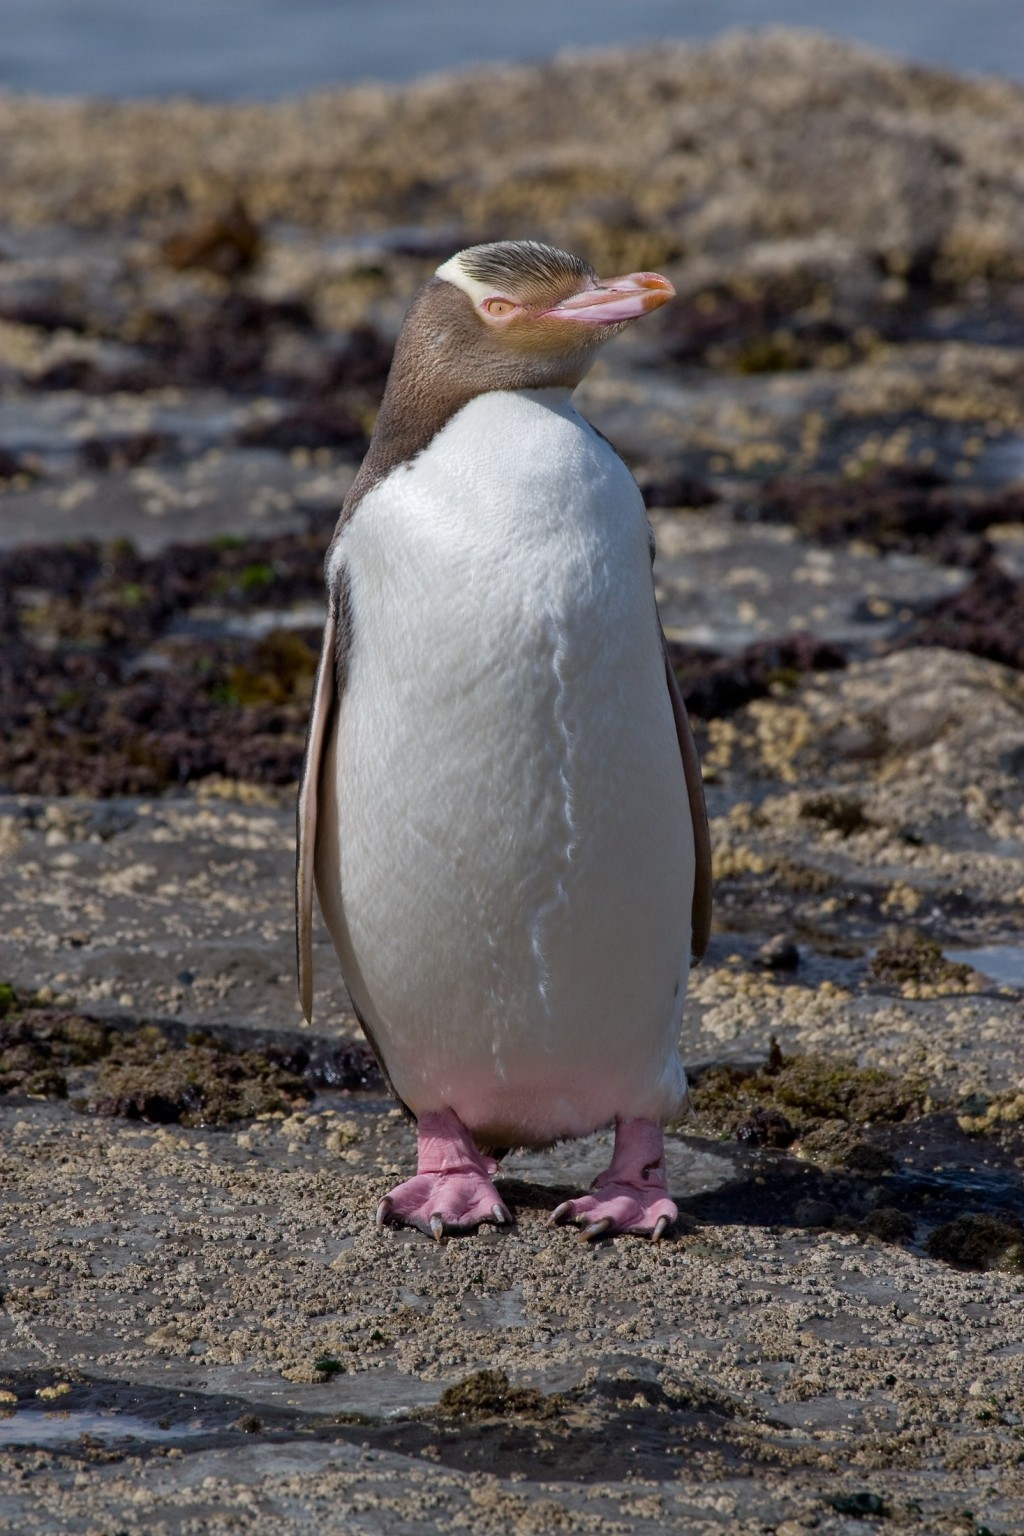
(516, 504)
(514, 855)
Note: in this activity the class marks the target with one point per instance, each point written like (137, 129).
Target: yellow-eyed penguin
(501, 804)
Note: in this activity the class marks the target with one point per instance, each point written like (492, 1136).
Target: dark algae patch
(85, 722)
(830, 1144)
(488, 1395)
(144, 1072)
(986, 618)
(905, 508)
(108, 685)
(118, 673)
(714, 685)
(38, 1047)
(837, 812)
(203, 1083)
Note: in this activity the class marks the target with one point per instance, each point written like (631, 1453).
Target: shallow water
(238, 49)
(57, 1427)
(1004, 963)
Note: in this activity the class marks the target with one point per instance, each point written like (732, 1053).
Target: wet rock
(488, 1395)
(979, 1242)
(765, 1128)
(778, 954)
(914, 736)
(817, 331)
(889, 1225)
(913, 959)
(814, 1213)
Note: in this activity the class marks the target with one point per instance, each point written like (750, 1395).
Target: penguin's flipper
(324, 693)
(701, 916)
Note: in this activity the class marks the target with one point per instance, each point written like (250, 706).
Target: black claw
(595, 1230)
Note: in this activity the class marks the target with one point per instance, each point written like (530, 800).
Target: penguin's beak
(614, 300)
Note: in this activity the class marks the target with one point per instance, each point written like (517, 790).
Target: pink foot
(452, 1190)
(632, 1193)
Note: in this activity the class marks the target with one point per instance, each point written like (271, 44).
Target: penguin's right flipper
(324, 693)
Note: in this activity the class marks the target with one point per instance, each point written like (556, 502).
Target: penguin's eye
(498, 307)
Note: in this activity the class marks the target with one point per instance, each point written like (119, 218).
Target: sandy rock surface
(200, 1328)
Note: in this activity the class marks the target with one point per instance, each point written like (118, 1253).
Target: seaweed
(488, 1395)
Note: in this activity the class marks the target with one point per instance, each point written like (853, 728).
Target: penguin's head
(520, 315)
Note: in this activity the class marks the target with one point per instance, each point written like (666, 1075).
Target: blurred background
(230, 50)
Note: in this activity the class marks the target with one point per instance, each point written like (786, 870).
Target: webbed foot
(632, 1193)
(452, 1190)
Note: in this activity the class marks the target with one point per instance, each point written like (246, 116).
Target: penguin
(501, 806)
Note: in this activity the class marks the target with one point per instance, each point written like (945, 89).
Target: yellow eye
(499, 307)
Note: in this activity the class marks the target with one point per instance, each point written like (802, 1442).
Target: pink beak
(616, 299)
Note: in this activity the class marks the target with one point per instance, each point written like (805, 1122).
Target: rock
(814, 1213)
(778, 954)
(765, 1128)
(979, 1242)
(889, 1225)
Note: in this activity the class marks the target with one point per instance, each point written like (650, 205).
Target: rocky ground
(201, 1329)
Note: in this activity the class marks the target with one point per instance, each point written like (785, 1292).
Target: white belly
(507, 871)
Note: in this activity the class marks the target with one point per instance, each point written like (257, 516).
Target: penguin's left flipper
(632, 1193)
(319, 724)
(700, 920)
